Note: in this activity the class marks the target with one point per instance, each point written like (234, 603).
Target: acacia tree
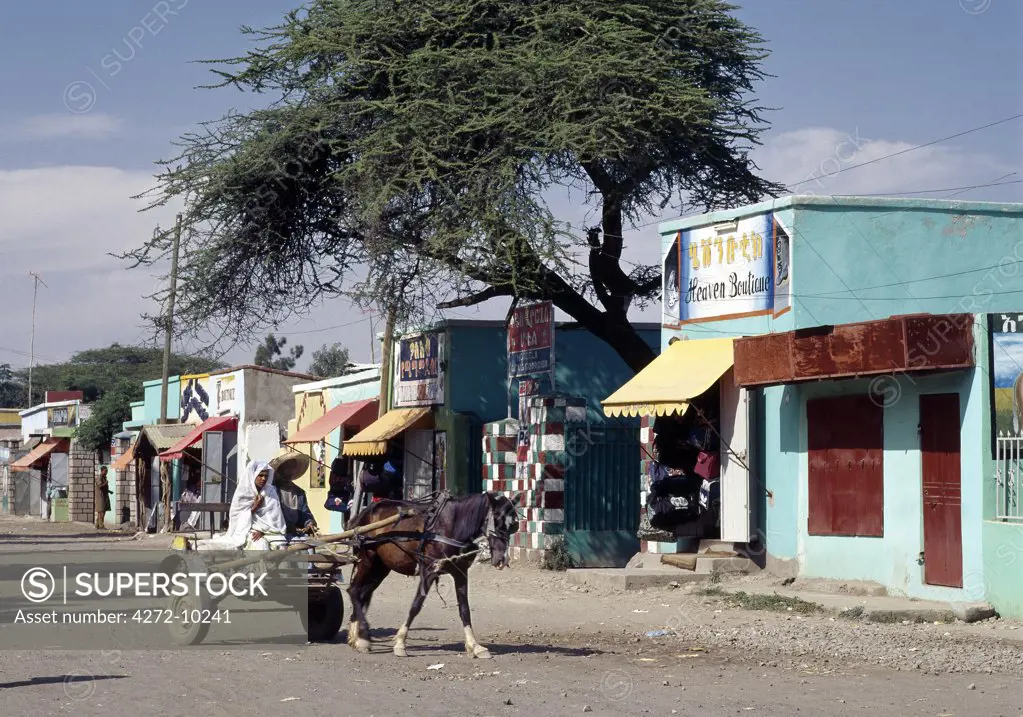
(330, 361)
(271, 354)
(411, 150)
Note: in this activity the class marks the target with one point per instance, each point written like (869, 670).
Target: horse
(440, 540)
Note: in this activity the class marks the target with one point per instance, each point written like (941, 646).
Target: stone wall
(81, 485)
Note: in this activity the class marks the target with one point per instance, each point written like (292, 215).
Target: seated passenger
(256, 520)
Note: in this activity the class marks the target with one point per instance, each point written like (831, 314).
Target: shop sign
(419, 373)
(736, 269)
(531, 340)
(62, 416)
(227, 396)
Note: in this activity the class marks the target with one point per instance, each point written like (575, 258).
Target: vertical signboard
(531, 340)
(782, 267)
(727, 271)
(419, 372)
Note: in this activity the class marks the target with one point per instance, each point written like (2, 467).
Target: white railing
(1008, 477)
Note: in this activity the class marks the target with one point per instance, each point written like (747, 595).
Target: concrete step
(634, 578)
(876, 608)
(719, 566)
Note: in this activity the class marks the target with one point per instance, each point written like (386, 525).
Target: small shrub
(556, 556)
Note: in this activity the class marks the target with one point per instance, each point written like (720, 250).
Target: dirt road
(558, 650)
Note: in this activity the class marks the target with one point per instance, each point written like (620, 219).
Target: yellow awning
(682, 372)
(372, 440)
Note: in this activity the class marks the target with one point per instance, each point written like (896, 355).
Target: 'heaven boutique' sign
(727, 271)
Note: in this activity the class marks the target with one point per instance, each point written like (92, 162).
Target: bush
(556, 556)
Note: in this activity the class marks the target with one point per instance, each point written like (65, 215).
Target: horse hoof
(399, 651)
(481, 653)
(362, 645)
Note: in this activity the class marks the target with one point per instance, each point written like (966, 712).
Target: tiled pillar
(81, 485)
(536, 469)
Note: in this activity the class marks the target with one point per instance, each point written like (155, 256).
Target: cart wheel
(326, 614)
(183, 631)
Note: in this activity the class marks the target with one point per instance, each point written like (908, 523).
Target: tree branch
(478, 298)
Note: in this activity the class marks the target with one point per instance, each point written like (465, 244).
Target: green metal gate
(602, 483)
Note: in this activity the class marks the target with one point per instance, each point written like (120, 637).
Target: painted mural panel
(1006, 372)
(728, 270)
(195, 398)
(419, 375)
(782, 242)
(670, 292)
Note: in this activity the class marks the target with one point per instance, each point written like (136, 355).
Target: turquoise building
(874, 448)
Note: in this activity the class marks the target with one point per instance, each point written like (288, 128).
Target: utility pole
(165, 479)
(372, 340)
(169, 319)
(386, 359)
(385, 373)
(32, 348)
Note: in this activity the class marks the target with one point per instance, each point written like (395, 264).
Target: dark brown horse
(439, 539)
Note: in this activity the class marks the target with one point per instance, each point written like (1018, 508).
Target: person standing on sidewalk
(103, 494)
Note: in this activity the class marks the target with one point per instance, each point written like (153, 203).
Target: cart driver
(295, 506)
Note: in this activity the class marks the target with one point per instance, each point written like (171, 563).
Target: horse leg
(425, 583)
(462, 593)
(368, 576)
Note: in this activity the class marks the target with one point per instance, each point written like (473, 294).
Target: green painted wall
(862, 259)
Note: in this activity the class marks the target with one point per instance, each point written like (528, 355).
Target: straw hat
(289, 465)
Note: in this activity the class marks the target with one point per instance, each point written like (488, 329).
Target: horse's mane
(469, 513)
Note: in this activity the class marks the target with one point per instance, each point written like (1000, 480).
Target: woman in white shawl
(256, 521)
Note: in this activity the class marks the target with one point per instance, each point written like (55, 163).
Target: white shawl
(267, 519)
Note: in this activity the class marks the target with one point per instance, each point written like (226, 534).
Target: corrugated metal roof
(164, 436)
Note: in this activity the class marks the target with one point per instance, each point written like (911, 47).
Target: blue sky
(892, 74)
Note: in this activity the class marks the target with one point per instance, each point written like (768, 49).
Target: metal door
(58, 470)
(22, 492)
(601, 494)
(942, 489)
(736, 511)
(418, 464)
(845, 442)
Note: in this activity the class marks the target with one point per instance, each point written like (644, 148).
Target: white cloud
(64, 221)
(64, 126)
(817, 160)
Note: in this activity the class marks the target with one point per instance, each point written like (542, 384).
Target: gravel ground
(559, 649)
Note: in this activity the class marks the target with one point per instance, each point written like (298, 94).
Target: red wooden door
(942, 489)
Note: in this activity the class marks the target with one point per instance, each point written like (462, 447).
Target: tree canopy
(330, 361)
(410, 152)
(271, 354)
(96, 371)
